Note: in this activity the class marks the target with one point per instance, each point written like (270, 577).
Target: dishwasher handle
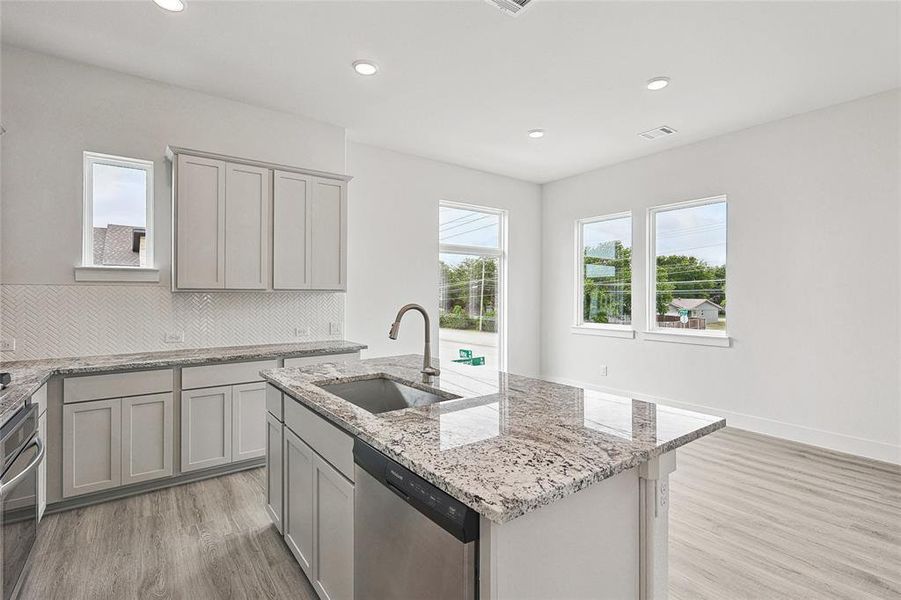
(441, 508)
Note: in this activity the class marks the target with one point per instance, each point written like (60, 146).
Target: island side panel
(585, 545)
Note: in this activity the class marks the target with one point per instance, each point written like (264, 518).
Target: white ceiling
(461, 82)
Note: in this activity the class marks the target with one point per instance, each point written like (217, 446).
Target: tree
(607, 283)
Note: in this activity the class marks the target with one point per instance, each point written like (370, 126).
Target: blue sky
(699, 231)
(119, 196)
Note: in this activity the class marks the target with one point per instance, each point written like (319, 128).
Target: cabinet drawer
(302, 361)
(99, 387)
(224, 374)
(328, 441)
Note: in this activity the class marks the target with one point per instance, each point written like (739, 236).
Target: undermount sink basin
(380, 394)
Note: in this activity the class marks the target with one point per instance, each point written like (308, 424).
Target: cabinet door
(200, 223)
(91, 446)
(298, 502)
(329, 235)
(291, 225)
(247, 193)
(42, 468)
(248, 421)
(146, 437)
(334, 533)
(274, 473)
(206, 428)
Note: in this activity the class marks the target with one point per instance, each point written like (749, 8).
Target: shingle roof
(113, 246)
(692, 303)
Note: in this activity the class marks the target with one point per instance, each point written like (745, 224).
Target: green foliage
(607, 298)
(469, 287)
(689, 277)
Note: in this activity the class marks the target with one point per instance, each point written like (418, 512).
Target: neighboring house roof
(115, 245)
(692, 303)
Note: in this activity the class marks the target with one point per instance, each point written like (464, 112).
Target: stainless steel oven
(22, 452)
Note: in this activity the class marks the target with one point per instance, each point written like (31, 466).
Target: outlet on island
(334, 328)
(602, 371)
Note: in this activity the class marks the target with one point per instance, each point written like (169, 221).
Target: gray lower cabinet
(221, 425)
(108, 443)
(206, 427)
(146, 437)
(248, 422)
(274, 475)
(299, 497)
(318, 518)
(92, 446)
(333, 532)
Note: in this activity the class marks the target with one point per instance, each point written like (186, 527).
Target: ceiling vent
(657, 132)
(511, 7)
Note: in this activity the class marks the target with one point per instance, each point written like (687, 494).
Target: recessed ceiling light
(658, 83)
(171, 5)
(365, 67)
(536, 133)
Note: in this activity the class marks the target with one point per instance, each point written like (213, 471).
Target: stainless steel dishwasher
(412, 541)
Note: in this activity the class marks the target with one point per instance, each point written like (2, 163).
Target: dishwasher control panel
(446, 511)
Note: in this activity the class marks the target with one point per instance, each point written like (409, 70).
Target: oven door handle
(9, 485)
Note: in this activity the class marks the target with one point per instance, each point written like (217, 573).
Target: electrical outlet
(603, 371)
(302, 332)
(8, 345)
(174, 337)
(334, 328)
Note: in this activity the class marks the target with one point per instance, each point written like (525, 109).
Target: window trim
(88, 271)
(500, 252)
(579, 325)
(661, 334)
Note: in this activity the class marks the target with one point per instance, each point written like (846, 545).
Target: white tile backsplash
(82, 320)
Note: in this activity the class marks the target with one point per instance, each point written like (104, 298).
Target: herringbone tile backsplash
(83, 320)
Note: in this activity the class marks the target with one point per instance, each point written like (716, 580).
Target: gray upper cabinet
(247, 198)
(246, 225)
(199, 223)
(291, 225)
(328, 248)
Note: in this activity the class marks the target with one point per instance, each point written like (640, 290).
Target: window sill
(721, 340)
(117, 274)
(617, 331)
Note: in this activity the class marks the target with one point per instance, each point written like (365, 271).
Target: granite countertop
(29, 375)
(506, 444)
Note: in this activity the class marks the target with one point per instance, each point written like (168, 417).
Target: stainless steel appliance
(411, 540)
(22, 451)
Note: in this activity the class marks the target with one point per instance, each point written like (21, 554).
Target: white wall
(53, 110)
(393, 248)
(813, 225)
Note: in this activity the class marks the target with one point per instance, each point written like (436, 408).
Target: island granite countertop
(29, 375)
(506, 445)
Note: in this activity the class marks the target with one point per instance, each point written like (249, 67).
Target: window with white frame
(687, 279)
(604, 271)
(118, 212)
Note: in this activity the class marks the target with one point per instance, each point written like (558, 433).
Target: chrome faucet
(428, 371)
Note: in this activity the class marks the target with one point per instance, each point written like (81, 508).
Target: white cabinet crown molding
(172, 151)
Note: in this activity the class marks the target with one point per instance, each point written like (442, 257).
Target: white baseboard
(838, 442)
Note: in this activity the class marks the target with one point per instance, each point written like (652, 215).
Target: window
(118, 212)
(687, 282)
(604, 272)
(471, 289)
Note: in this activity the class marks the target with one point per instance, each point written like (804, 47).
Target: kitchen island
(570, 484)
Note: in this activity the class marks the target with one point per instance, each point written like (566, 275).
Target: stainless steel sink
(380, 394)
